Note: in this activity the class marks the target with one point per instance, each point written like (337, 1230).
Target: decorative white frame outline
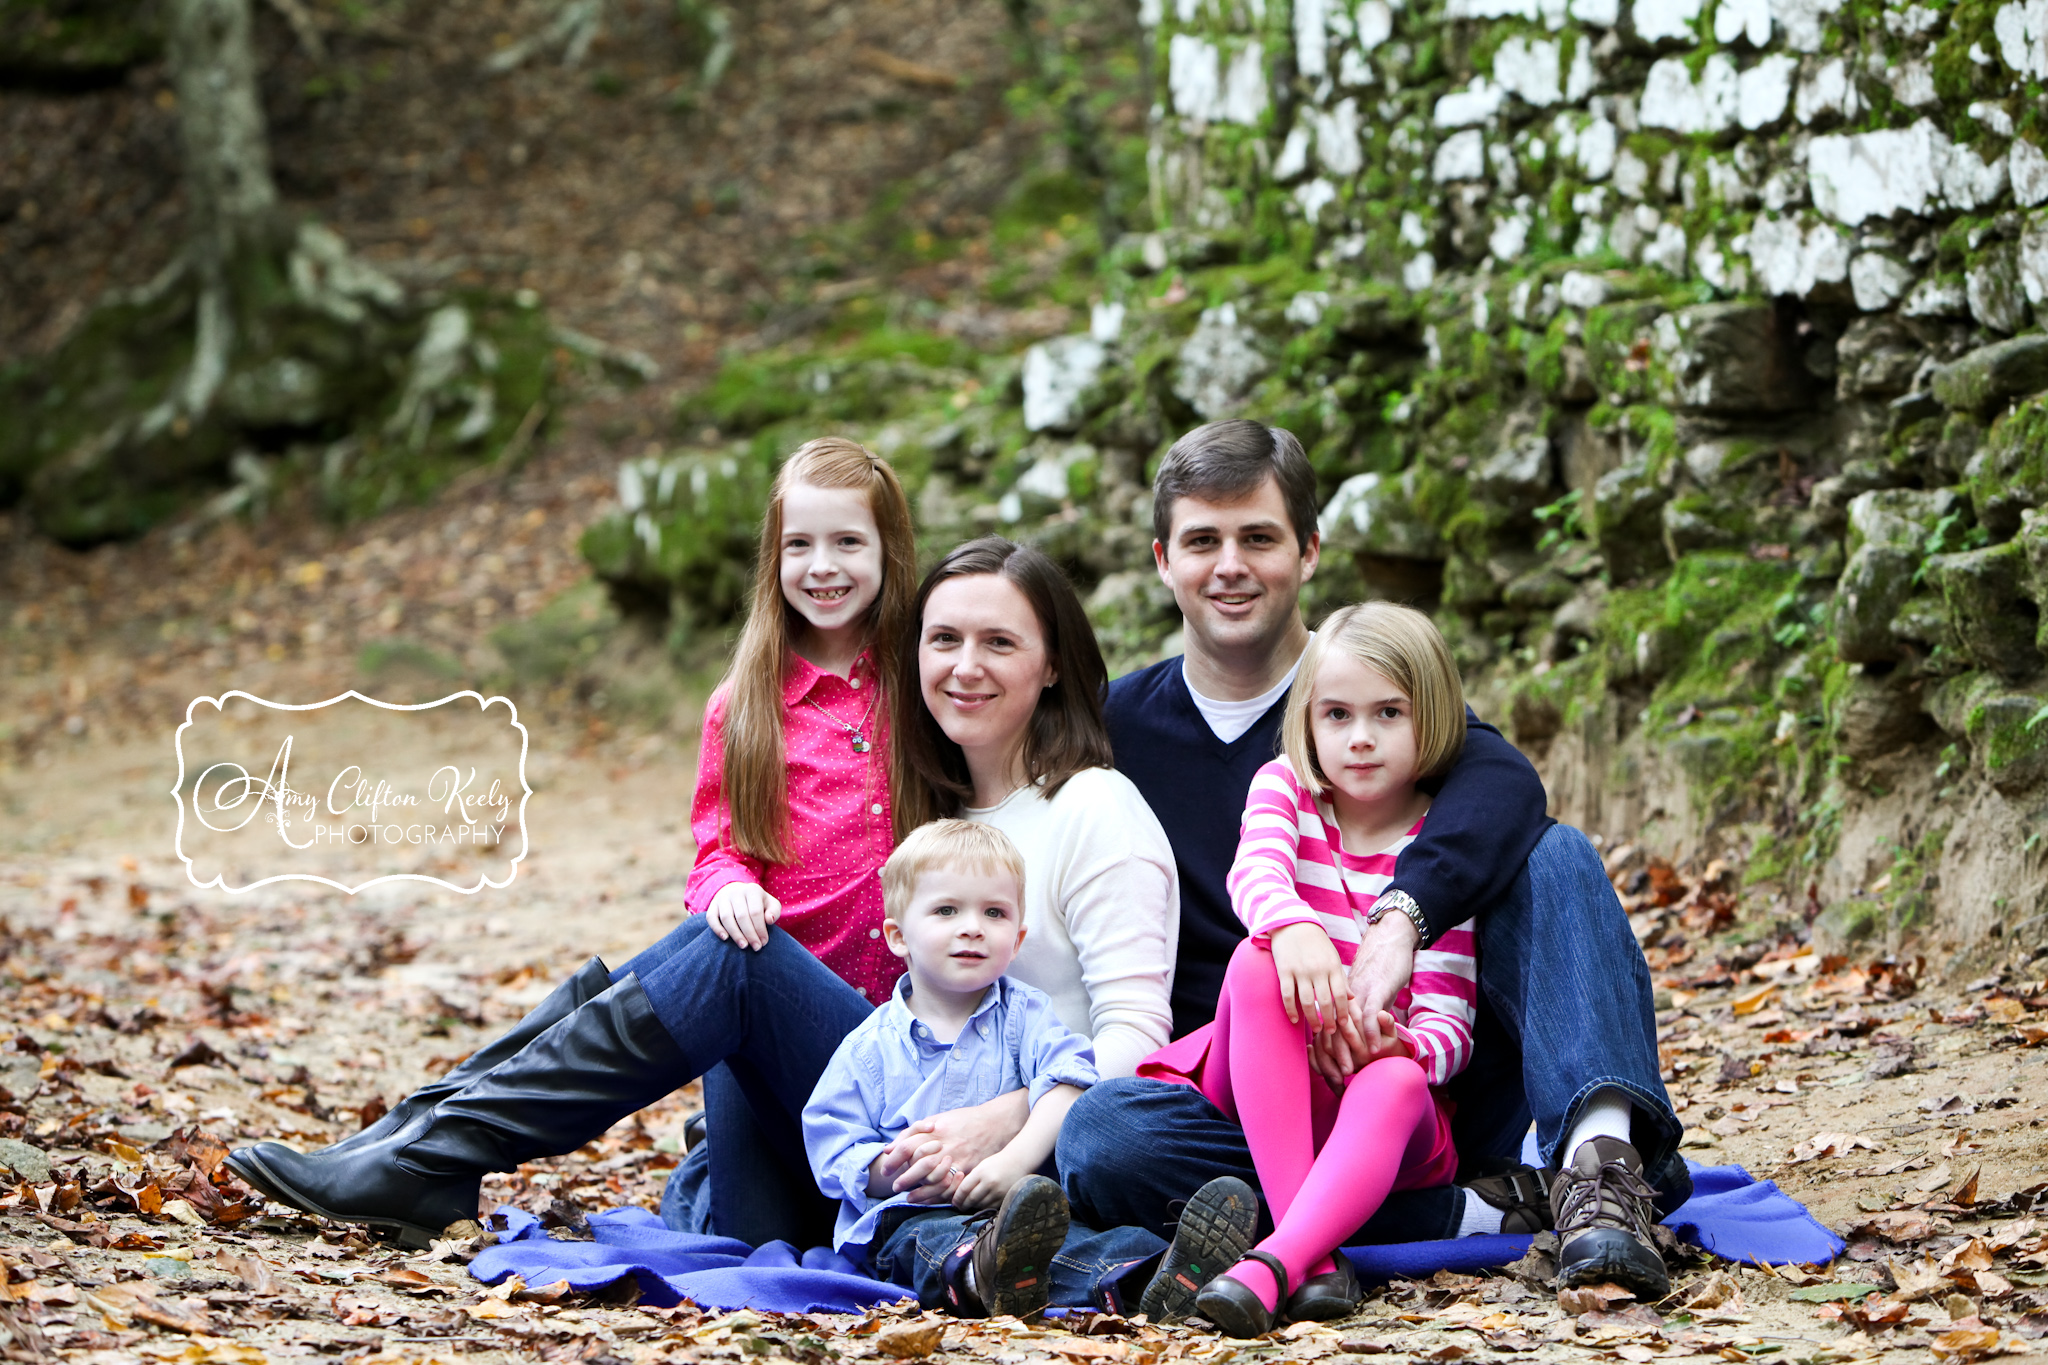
(483, 880)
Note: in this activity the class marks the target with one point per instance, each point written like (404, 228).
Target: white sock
(1606, 1113)
(1479, 1216)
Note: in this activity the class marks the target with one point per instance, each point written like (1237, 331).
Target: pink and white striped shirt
(1291, 868)
(839, 823)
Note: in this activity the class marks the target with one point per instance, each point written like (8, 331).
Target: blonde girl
(1376, 708)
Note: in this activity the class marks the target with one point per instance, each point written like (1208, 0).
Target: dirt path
(150, 1022)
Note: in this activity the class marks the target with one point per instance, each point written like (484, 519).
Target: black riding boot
(607, 1059)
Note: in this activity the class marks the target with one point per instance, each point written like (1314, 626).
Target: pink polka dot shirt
(840, 832)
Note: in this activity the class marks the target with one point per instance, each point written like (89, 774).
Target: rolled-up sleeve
(840, 1134)
(1049, 1052)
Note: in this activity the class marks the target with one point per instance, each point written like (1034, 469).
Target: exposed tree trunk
(231, 199)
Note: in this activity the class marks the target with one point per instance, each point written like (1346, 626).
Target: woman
(1011, 681)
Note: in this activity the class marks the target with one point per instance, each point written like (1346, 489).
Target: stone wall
(1722, 422)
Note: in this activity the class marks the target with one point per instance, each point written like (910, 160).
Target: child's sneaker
(1009, 1267)
(1214, 1231)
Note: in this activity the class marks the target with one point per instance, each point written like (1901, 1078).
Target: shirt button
(863, 991)
(874, 933)
(875, 809)
(853, 682)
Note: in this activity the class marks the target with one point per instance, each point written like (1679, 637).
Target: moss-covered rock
(1993, 620)
(1888, 532)
(1877, 714)
(683, 541)
(2009, 474)
(1993, 375)
(1628, 520)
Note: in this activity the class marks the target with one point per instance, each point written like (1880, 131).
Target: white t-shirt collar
(1230, 719)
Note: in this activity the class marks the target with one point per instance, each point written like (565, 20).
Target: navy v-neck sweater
(1488, 814)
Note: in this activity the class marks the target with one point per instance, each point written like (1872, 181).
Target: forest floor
(149, 1025)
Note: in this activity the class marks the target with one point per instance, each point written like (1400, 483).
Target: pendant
(860, 746)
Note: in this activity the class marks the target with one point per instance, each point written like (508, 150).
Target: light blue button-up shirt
(892, 1071)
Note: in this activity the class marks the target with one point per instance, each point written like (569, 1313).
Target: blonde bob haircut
(1404, 647)
(946, 845)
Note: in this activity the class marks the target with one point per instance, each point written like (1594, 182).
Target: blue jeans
(1105, 1270)
(767, 1022)
(1565, 1009)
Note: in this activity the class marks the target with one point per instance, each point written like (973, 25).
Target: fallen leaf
(1971, 1255)
(1965, 1193)
(1831, 1144)
(1833, 1293)
(1593, 1298)
(912, 1340)
(1916, 1283)
(181, 1211)
(1714, 1291)
(1749, 1002)
(1992, 1286)
(1966, 1343)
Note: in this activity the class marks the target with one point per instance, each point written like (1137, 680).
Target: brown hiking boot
(1604, 1216)
(1521, 1193)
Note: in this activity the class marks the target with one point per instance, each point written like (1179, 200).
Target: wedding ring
(952, 1170)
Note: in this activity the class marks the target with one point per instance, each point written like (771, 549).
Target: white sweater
(1101, 911)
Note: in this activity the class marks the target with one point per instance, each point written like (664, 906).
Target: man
(1566, 1032)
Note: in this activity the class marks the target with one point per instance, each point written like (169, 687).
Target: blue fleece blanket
(1730, 1214)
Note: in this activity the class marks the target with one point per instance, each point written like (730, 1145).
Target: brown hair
(1067, 732)
(947, 844)
(1404, 646)
(1227, 461)
(755, 787)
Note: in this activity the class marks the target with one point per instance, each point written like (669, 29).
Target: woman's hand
(991, 1179)
(1311, 975)
(932, 1155)
(741, 913)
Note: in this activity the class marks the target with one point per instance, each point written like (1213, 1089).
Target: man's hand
(1385, 962)
(932, 1155)
(741, 913)
(1312, 984)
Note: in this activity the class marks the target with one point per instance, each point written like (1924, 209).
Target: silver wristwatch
(1405, 903)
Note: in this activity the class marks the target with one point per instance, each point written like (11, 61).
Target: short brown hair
(1226, 461)
(947, 844)
(1405, 647)
(1067, 731)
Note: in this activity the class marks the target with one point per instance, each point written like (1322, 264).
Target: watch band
(1405, 904)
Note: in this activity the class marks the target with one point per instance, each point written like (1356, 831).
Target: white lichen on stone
(1420, 271)
(2022, 32)
(1057, 377)
(1875, 175)
(1827, 90)
(1877, 280)
(1912, 83)
(1803, 21)
(1475, 104)
(1763, 91)
(1789, 258)
(2028, 170)
(1462, 156)
(1936, 299)
(1219, 364)
(1529, 68)
(1749, 19)
(1673, 100)
(1510, 235)
(1293, 158)
(1656, 20)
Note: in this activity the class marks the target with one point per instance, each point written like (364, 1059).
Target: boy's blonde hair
(1405, 647)
(946, 844)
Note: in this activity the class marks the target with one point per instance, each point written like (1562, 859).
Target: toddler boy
(957, 1032)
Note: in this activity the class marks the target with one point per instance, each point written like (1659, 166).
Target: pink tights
(1325, 1164)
